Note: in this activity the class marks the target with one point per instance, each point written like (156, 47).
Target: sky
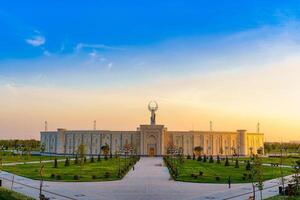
(235, 63)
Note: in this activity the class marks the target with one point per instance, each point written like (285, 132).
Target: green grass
(11, 195)
(8, 158)
(98, 169)
(282, 198)
(213, 170)
(286, 161)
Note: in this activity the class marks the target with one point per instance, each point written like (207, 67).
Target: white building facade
(153, 140)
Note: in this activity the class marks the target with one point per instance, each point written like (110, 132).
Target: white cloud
(36, 41)
(81, 46)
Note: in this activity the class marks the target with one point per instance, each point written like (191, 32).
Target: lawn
(286, 160)
(9, 158)
(11, 195)
(190, 170)
(283, 198)
(104, 170)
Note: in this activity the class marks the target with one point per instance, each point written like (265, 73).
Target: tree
(248, 166)
(105, 150)
(226, 162)
(1, 157)
(67, 162)
(198, 150)
(260, 150)
(92, 159)
(218, 159)
(281, 170)
(204, 158)
(211, 160)
(99, 158)
(257, 175)
(42, 150)
(237, 163)
(76, 160)
(81, 152)
(296, 177)
(55, 163)
(199, 158)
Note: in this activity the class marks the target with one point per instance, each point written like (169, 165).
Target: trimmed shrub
(204, 158)
(199, 158)
(188, 157)
(211, 160)
(237, 163)
(200, 173)
(226, 162)
(55, 163)
(76, 177)
(249, 176)
(194, 156)
(107, 175)
(94, 176)
(192, 175)
(243, 178)
(67, 162)
(52, 176)
(218, 159)
(92, 159)
(218, 178)
(84, 159)
(248, 166)
(58, 177)
(110, 155)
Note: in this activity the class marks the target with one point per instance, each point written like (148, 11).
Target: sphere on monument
(152, 106)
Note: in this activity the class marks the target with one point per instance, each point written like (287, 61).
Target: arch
(151, 142)
(151, 139)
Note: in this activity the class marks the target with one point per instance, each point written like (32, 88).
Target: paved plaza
(150, 180)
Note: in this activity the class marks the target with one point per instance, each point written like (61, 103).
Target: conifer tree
(55, 163)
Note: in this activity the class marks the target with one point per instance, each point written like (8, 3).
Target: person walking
(229, 182)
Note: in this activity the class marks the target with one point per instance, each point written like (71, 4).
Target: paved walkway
(149, 181)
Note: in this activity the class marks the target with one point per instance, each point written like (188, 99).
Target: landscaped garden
(78, 169)
(11, 195)
(286, 160)
(283, 198)
(8, 157)
(212, 170)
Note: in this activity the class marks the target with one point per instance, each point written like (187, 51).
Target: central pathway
(150, 180)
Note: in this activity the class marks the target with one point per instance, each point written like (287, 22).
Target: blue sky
(64, 24)
(124, 34)
(233, 62)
